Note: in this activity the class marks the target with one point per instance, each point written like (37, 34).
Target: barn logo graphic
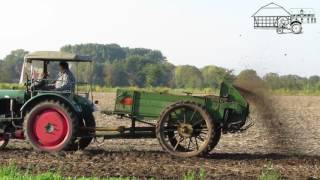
(274, 16)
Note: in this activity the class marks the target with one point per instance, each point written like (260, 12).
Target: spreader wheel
(185, 129)
(51, 126)
(280, 30)
(216, 138)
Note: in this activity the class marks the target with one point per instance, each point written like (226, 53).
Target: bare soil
(290, 140)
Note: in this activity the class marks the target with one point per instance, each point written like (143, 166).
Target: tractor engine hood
(18, 95)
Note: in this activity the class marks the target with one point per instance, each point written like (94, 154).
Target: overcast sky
(196, 32)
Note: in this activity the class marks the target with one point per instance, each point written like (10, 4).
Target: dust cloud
(267, 110)
(256, 93)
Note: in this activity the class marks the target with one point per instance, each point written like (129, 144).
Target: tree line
(117, 66)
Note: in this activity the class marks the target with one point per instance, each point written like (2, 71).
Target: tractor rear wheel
(51, 126)
(185, 129)
(296, 28)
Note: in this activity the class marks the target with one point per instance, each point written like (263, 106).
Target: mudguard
(54, 96)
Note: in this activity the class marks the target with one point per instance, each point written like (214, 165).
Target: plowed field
(291, 142)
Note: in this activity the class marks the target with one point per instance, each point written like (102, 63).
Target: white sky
(196, 32)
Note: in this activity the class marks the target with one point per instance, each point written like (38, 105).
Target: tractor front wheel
(3, 141)
(51, 126)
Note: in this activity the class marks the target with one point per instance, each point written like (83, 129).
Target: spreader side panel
(148, 105)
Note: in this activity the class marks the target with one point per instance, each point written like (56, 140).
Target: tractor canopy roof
(56, 56)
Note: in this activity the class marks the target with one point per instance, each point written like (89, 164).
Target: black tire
(296, 28)
(280, 30)
(85, 136)
(191, 128)
(31, 126)
(216, 138)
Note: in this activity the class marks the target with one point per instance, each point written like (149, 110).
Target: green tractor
(52, 121)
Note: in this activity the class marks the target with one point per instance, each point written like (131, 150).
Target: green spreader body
(225, 109)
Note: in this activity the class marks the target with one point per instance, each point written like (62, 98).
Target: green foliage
(188, 77)
(213, 76)
(134, 66)
(116, 75)
(138, 71)
(100, 53)
(272, 80)
(158, 74)
(116, 66)
(192, 175)
(12, 172)
(269, 173)
(293, 82)
(202, 174)
(248, 75)
(314, 82)
(11, 66)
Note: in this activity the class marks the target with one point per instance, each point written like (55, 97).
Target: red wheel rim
(50, 129)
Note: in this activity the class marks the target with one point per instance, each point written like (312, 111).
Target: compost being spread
(53, 120)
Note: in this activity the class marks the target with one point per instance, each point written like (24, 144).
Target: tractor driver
(66, 80)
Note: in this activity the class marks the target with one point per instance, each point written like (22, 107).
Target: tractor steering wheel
(37, 84)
